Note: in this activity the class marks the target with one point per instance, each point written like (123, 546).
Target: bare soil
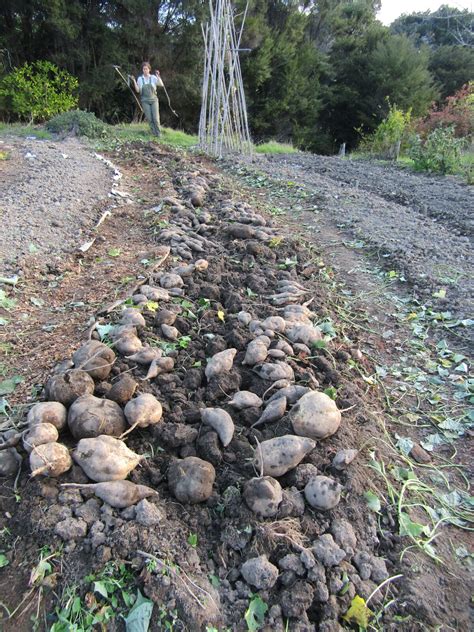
(201, 583)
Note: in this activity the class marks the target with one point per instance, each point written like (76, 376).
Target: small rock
(379, 570)
(362, 562)
(70, 497)
(259, 572)
(147, 513)
(301, 475)
(175, 435)
(292, 562)
(327, 551)
(296, 600)
(307, 558)
(96, 535)
(292, 504)
(129, 513)
(71, 529)
(344, 535)
(89, 511)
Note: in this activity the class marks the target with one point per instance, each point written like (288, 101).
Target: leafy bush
(37, 91)
(80, 122)
(439, 152)
(391, 135)
(456, 112)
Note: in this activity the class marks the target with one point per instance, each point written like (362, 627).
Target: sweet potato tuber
(48, 413)
(105, 458)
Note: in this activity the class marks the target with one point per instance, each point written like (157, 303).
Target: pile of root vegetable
(198, 407)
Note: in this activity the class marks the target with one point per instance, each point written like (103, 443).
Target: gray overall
(149, 102)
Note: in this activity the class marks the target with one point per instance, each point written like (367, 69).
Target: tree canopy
(317, 72)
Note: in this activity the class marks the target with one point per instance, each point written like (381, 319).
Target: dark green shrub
(35, 92)
(440, 152)
(80, 122)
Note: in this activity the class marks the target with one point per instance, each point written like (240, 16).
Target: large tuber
(90, 416)
(105, 458)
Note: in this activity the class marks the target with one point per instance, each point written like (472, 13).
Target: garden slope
(242, 272)
(419, 225)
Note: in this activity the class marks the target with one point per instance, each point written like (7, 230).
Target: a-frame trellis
(223, 124)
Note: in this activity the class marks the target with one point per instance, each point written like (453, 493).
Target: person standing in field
(145, 86)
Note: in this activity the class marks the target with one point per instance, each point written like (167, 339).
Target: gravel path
(52, 193)
(49, 194)
(418, 224)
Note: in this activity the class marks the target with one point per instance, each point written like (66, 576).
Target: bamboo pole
(223, 122)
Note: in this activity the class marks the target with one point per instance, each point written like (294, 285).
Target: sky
(392, 9)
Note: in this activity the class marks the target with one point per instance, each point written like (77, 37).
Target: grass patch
(141, 131)
(18, 129)
(273, 147)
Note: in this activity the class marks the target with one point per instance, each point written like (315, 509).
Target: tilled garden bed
(236, 530)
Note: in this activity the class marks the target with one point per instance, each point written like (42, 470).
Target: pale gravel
(51, 195)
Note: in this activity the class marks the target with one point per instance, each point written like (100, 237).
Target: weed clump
(78, 122)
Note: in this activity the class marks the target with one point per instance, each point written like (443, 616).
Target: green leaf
(432, 441)
(373, 501)
(408, 527)
(404, 444)
(76, 605)
(6, 302)
(138, 619)
(331, 392)
(193, 539)
(4, 406)
(101, 588)
(114, 252)
(215, 581)
(152, 306)
(4, 561)
(440, 293)
(255, 613)
(104, 330)
(358, 613)
(8, 386)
